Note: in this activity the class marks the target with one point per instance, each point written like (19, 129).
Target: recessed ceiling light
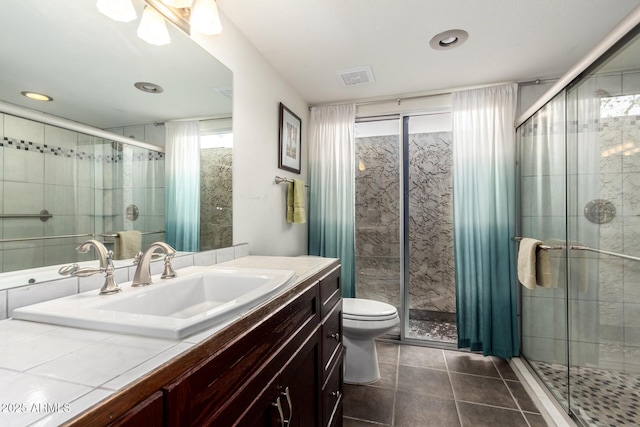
(449, 39)
(149, 87)
(37, 96)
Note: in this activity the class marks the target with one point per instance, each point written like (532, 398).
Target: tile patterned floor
(599, 397)
(423, 387)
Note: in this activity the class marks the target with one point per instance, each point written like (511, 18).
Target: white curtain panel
(182, 181)
(331, 187)
(484, 219)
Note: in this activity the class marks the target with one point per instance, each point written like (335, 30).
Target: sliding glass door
(404, 221)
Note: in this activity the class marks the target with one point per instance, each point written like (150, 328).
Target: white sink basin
(200, 297)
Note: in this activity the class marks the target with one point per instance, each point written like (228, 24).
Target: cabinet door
(299, 385)
(147, 413)
(292, 399)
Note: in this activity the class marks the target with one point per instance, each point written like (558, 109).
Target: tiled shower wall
(216, 209)
(431, 265)
(431, 261)
(377, 212)
(78, 179)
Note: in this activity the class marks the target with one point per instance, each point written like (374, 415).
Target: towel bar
(600, 251)
(26, 239)
(280, 180)
(143, 233)
(543, 246)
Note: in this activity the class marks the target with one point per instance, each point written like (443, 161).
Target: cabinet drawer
(198, 395)
(331, 337)
(332, 394)
(330, 291)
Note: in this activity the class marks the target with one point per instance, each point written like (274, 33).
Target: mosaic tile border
(23, 145)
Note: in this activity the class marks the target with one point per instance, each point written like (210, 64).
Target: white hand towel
(527, 262)
(127, 244)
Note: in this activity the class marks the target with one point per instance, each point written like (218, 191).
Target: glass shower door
(543, 216)
(377, 211)
(604, 219)
(428, 216)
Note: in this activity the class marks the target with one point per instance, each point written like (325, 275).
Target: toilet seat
(367, 310)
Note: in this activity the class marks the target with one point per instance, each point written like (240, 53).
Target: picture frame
(290, 142)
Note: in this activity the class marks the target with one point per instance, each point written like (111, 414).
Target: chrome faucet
(142, 276)
(106, 266)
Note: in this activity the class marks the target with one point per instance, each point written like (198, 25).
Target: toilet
(364, 320)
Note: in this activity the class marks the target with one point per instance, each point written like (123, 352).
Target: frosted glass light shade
(178, 3)
(152, 28)
(118, 10)
(205, 18)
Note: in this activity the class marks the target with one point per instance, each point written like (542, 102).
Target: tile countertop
(49, 374)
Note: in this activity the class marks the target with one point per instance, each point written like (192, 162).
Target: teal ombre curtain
(331, 188)
(182, 182)
(484, 219)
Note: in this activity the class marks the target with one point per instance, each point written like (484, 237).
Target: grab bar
(543, 246)
(600, 251)
(44, 215)
(66, 236)
(143, 233)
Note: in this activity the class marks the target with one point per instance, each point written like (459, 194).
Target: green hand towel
(296, 201)
(299, 202)
(290, 202)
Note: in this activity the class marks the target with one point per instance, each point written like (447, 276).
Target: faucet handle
(68, 270)
(138, 257)
(168, 272)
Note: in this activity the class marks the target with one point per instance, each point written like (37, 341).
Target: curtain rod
(386, 100)
(399, 99)
(200, 119)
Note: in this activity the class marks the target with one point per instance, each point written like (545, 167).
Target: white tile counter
(49, 374)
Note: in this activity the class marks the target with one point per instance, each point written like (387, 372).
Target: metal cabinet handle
(286, 394)
(335, 336)
(278, 405)
(336, 394)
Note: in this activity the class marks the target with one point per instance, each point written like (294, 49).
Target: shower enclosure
(404, 221)
(86, 187)
(579, 173)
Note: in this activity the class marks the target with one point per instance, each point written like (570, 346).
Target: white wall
(258, 203)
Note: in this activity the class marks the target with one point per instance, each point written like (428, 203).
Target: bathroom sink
(200, 297)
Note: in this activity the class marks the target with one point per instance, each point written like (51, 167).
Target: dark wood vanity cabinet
(278, 366)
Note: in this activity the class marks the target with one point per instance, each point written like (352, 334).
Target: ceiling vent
(227, 92)
(356, 76)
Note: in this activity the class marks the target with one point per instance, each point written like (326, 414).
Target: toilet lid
(366, 309)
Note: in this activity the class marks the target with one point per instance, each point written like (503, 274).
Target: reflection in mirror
(91, 184)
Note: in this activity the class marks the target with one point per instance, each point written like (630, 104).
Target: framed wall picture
(290, 140)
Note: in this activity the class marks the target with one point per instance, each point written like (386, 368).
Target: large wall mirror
(61, 185)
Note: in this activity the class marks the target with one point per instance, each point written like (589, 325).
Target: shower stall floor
(433, 330)
(599, 397)
(430, 326)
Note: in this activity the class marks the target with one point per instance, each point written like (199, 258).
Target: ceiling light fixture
(205, 18)
(149, 87)
(178, 4)
(448, 39)
(200, 15)
(118, 10)
(37, 96)
(152, 28)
